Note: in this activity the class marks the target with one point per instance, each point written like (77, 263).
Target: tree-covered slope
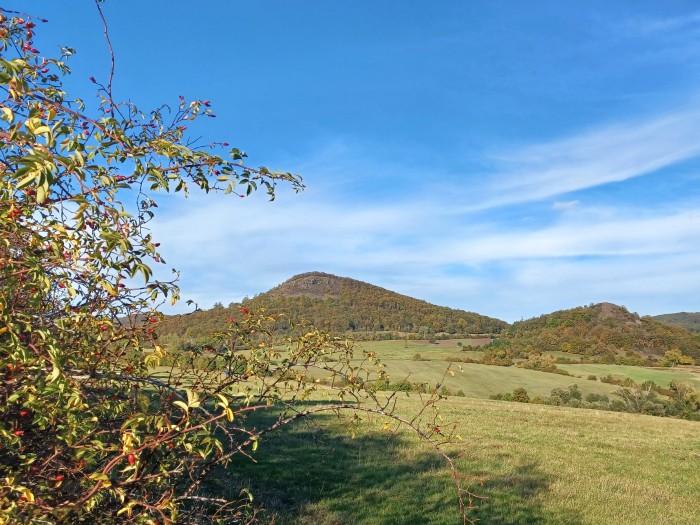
(603, 332)
(688, 320)
(340, 305)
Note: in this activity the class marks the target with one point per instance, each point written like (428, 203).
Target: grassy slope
(475, 380)
(536, 464)
(661, 376)
(482, 381)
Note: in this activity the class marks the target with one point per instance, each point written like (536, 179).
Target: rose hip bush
(93, 428)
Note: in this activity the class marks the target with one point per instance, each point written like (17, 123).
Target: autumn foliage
(94, 426)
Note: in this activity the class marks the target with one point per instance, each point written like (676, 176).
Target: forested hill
(603, 331)
(688, 320)
(340, 305)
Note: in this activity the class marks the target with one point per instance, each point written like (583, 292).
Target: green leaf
(27, 180)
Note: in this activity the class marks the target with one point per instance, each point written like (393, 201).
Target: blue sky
(510, 158)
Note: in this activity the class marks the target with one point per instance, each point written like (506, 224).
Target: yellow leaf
(223, 399)
(182, 405)
(192, 398)
(8, 115)
(28, 494)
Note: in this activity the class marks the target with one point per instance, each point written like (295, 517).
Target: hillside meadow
(423, 362)
(532, 464)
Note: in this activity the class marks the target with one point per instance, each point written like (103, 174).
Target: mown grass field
(661, 376)
(482, 381)
(475, 380)
(534, 464)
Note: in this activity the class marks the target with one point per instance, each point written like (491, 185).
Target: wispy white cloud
(566, 205)
(230, 250)
(612, 153)
(654, 25)
(429, 245)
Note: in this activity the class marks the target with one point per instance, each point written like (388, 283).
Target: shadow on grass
(513, 498)
(316, 473)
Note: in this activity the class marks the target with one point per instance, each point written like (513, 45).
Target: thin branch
(111, 55)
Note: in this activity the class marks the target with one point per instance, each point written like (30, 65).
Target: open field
(397, 349)
(661, 376)
(535, 464)
(475, 380)
(482, 381)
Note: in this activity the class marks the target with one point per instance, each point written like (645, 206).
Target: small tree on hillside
(94, 427)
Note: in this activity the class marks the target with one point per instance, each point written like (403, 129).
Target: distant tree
(520, 395)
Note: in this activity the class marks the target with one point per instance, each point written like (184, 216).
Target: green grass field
(482, 381)
(661, 376)
(534, 465)
(475, 380)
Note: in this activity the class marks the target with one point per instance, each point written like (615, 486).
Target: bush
(520, 395)
(497, 357)
(445, 391)
(89, 433)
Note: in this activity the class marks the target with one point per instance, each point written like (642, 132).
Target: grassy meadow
(482, 381)
(660, 376)
(533, 464)
(473, 379)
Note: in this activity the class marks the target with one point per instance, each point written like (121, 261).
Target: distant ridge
(688, 320)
